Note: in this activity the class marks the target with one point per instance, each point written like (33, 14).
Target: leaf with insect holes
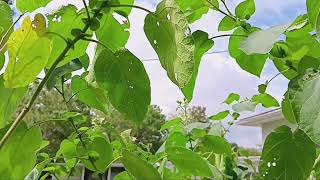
(167, 32)
(28, 53)
(123, 77)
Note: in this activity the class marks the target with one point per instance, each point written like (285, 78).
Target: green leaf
(172, 124)
(122, 176)
(5, 22)
(10, 100)
(139, 168)
(220, 116)
(176, 139)
(194, 9)
(62, 22)
(266, 100)
(244, 106)
(191, 163)
(2, 61)
(89, 95)
(216, 144)
(287, 109)
(124, 78)
(245, 9)
(85, 61)
(72, 66)
(112, 33)
(227, 24)
(262, 41)
(103, 149)
(18, 156)
(202, 45)
(303, 96)
(166, 31)
(30, 5)
(250, 63)
(262, 88)
(28, 54)
(76, 117)
(231, 98)
(313, 8)
(287, 155)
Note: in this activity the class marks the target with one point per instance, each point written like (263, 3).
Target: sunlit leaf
(194, 9)
(203, 44)
(227, 24)
(167, 32)
(245, 9)
(266, 100)
(313, 8)
(123, 77)
(28, 55)
(219, 116)
(30, 5)
(232, 97)
(287, 155)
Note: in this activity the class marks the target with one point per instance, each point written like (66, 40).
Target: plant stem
(225, 5)
(216, 8)
(27, 108)
(228, 35)
(86, 7)
(132, 6)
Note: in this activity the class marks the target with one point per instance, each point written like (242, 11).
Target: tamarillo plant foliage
(55, 43)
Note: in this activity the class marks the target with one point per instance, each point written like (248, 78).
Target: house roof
(259, 119)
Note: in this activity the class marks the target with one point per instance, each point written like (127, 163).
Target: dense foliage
(115, 79)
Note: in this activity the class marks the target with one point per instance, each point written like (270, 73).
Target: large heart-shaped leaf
(303, 96)
(28, 53)
(166, 31)
(287, 155)
(123, 77)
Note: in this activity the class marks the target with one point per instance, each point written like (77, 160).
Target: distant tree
(189, 113)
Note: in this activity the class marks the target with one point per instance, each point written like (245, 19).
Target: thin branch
(132, 6)
(86, 7)
(228, 35)
(216, 8)
(10, 28)
(73, 95)
(95, 41)
(225, 5)
(59, 35)
(27, 108)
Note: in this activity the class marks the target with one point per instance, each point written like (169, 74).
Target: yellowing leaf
(28, 55)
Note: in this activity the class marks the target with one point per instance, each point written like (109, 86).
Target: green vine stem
(27, 108)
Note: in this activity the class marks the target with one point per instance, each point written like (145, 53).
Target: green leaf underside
(303, 96)
(139, 168)
(216, 144)
(30, 5)
(166, 31)
(250, 63)
(266, 100)
(202, 45)
(232, 97)
(18, 156)
(219, 116)
(62, 22)
(262, 41)
(86, 93)
(28, 55)
(244, 106)
(124, 78)
(191, 163)
(227, 24)
(194, 9)
(10, 99)
(287, 155)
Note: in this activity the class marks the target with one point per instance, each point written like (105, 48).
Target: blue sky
(219, 75)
